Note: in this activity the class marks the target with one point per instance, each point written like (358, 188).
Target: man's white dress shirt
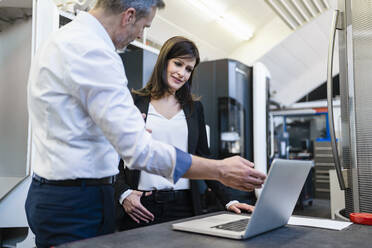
(82, 113)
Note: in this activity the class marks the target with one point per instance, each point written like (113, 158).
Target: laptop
(273, 208)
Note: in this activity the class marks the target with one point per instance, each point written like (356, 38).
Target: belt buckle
(112, 179)
(38, 178)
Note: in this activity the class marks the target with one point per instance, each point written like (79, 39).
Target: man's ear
(128, 16)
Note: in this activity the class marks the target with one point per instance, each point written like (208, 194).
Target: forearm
(235, 172)
(203, 168)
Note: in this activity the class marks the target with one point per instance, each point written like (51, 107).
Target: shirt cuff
(183, 163)
(231, 203)
(125, 195)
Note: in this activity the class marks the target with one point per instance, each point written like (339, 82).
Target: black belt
(161, 196)
(76, 182)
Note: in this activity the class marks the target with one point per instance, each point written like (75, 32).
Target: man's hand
(239, 173)
(133, 207)
(239, 207)
(235, 172)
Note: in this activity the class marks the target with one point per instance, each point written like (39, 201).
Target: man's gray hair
(142, 7)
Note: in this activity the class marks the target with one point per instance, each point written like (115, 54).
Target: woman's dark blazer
(197, 145)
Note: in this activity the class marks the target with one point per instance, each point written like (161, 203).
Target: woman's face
(179, 71)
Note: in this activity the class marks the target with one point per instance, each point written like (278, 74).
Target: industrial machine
(235, 99)
(225, 87)
(139, 64)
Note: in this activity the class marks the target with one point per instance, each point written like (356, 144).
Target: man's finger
(143, 115)
(254, 180)
(244, 187)
(247, 162)
(257, 174)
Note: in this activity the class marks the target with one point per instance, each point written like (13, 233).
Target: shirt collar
(90, 21)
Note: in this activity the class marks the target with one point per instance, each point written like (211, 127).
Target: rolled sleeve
(183, 163)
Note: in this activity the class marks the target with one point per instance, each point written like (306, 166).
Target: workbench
(162, 235)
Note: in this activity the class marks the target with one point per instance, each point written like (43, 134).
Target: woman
(176, 117)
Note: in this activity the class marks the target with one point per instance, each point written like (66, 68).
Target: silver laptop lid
(279, 195)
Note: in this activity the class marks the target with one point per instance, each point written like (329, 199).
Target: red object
(361, 218)
(321, 110)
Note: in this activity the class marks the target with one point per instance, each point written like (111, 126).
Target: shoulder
(198, 105)
(141, 101)
(139, 98)
(84, 42)
(194, 110)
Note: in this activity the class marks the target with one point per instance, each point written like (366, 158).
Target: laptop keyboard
(236, 226)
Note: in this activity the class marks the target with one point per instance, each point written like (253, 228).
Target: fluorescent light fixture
(202, 7)
(231, 24)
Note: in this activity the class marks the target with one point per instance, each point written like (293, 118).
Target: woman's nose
(181, 72)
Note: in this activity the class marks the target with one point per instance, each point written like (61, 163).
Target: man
(77, 98)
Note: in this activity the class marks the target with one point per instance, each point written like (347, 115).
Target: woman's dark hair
(175, 47)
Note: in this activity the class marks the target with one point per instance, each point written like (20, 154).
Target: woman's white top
(174, 132)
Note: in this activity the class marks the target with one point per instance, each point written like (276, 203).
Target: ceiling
(296, 59)
(298, 64)
(214, 41)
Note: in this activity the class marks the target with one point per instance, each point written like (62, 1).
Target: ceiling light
(217, 14)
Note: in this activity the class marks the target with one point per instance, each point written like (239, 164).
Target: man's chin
(121, 49)
(121, 46)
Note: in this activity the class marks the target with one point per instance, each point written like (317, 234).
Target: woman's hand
(239, 207)
(134, 208)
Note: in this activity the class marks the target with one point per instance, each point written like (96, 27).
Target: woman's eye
(189, 70)
(177, 63)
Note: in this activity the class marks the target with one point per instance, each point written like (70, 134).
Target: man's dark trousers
(60, 214)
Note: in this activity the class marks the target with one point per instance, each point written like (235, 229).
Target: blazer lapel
(142, 103)
(192, 126)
